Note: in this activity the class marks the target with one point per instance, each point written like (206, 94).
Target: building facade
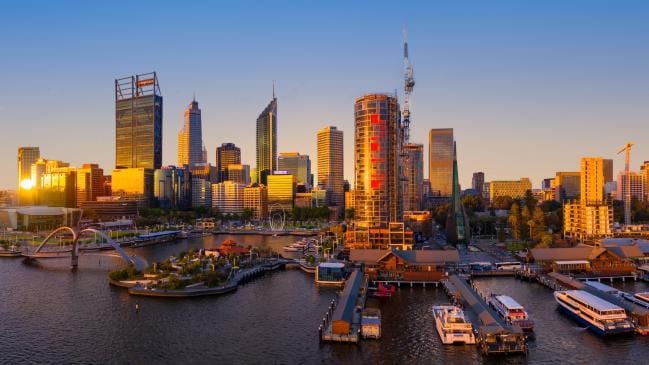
(90, 183)
(190, 137)
(26, 157)
(255, 198)
(172, 188)
(515, 189)
(201, 193)
(413, 173)
(226, 155)
(133, 184)
(440, 162)
(267, 141)
(331, 164)
(227, 197)
(238, 173)
(297, 165)
(281, 190)
(566, 185)
(636, 186)
(477, 182)
(138, 122)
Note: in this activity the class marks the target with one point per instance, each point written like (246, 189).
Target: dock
(342, 322)
(494, 336)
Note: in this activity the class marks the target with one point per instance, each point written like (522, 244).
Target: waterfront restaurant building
(405, 265)
(587, 260)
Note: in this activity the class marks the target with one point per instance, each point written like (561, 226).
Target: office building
(319, 197)
(226, 155)
(477, 182)
(608, 170)
(190, 137)
(206, 172)
(227, 197)
(138, 122)
(172, 188)
(281, 190)
(349, 199)
(266, 138)
(90, 183)
(592, 215)
(255, 198)
(59, 188)
(26, 157)
(636, 186)
(297, 165)
(566, 185)
(201, 192)
(413, 173)
(644, 171)
(515, 189)
(440, 162)
(331, 164)
(238, 173)
(133, 184)
(303, 200)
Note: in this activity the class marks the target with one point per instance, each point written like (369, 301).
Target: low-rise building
(405, 265)
(515, 189)
(227, 197)
(255, 198)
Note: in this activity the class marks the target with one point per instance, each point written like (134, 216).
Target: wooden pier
(342, 321)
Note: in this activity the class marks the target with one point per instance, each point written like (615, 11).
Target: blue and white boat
(598, 315)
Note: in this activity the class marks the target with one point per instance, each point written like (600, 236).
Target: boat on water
(600, 316)
(292, 248)
(452, 326)
(641, 299)
(307, 267)
(371, 323)
(512, 312)
(383, 290)
(330, 273)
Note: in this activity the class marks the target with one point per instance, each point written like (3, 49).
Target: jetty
(494, 336)
(342, 322)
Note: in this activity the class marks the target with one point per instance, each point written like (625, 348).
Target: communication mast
(627, 189)
(409, 84)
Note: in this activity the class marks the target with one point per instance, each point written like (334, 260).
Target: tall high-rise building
(592, 215)
(238, 173)
(331, 164)
(413, 172)
(90, 183)
(477, 182)
(255, 198)
(172, 188)
(608, 170)
(135, 184)
(440, 162)
(26, 157)
(138, 122)
(376, 152)
(267, 141)
(59, 187)
(297, 165)
(201, 193)
(644, 171)
(566, 185)
(227, 154)
(190, 137)
(636, 185)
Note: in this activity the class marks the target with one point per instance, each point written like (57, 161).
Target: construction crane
(409, 84)
(627, 189)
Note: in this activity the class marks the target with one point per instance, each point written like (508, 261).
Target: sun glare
(27, 184)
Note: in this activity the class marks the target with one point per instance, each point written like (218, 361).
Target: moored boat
(641, 299)
(371, 323)
(600, 316)
(510, 310)
(452, 326)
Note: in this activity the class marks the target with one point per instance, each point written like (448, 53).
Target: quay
(494, 336)
(342, 322)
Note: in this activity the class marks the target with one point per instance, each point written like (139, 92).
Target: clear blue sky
(528, 86)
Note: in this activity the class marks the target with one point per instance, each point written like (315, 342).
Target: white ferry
(598, 315)
(452, 326)
(512, 312)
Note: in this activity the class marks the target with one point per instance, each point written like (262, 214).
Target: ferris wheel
(276, 217)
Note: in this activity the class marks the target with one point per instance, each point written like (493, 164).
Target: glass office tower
(138, 122)
(440, 162)
(267, 141)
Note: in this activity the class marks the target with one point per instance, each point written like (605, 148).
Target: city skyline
(569, 100)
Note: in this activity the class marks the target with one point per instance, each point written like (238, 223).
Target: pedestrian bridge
(139, 263)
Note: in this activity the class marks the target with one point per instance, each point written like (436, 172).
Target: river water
(51, 315)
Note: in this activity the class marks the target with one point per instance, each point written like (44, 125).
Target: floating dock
(494, 336)
(342, 322)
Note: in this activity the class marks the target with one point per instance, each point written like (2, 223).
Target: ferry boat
(452, 326)
(330, 273)
(512, 312)
(598, 315)
(641, 299)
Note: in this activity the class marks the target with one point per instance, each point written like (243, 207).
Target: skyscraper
(281, 191)
(457, 231)
(190, 137)
(90, 183)
(26, 157)
(331, 164)
(440, 163)
(138, 122)
(477, 182)
(376, 152)
(227, 154)
(267, 141)
(172, 188)
(413, 172)
(297, 165)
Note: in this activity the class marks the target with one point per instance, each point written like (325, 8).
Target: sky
(528, 86)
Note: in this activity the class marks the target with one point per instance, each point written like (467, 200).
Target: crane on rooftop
(409, 84)
(627, 189)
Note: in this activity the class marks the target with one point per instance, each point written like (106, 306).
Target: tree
(247, 214)
(473, 203)
(502, 202)
(546, 240)
(526, 219)
(514, 220)
(530, 201)
(539, 227)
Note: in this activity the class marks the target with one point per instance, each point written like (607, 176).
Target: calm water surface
(50, 315)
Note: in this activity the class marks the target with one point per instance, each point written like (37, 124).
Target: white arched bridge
(137, 262)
